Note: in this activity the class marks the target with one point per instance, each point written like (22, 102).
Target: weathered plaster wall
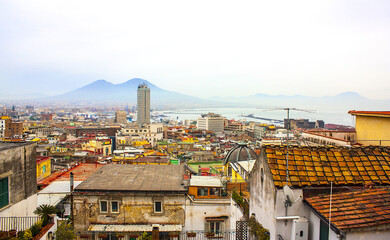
(197, 211)
(263, 195)
(133, 209)
(19, 165)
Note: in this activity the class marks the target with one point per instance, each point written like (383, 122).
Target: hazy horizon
(203, 49)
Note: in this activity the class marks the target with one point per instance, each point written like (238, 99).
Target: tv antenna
(288, 129)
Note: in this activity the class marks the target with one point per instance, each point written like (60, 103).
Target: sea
(328, 116)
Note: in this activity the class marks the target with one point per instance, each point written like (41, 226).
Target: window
(44, 169)
(114, 206)
(103, 206)
(215, 227)
(214, 191)
(157, 206)
(202, 191)
(4, 201)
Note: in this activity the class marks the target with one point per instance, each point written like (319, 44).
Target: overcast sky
(202, 48)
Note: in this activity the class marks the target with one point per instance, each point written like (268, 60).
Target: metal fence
(17, 223)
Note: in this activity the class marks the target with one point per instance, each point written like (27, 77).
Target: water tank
(300, 229)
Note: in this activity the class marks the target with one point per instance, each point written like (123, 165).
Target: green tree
(44, 211)
(65, 232)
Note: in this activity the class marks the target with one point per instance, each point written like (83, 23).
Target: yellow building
(372, 127)
(43, 167)
(99, 146)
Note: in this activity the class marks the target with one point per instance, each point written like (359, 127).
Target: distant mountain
(103, 92)
(343, 101)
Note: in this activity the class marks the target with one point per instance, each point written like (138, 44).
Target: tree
(65, 231)
(44, 211)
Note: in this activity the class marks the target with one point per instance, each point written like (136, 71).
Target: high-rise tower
(143, 104)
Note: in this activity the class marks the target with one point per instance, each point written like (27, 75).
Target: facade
(211, 122)
(330, 137)
(312, 170)
(143, 104)
(372, 128)
(101, 146)
(129, 199)
(151, 132)
(18, 179)
(9, 129)
(43, 167)
(120, 117)
(208, 207)
(303, 124)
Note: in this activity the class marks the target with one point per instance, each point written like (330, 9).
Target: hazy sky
(202, 48)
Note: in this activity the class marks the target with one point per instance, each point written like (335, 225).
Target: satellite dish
(289, 194)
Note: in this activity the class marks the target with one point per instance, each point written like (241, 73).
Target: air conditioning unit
(300, 229)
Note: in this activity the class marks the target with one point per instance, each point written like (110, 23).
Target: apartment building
(211, 122)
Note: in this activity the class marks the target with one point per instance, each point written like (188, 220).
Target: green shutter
(3, 192)
(324, 230)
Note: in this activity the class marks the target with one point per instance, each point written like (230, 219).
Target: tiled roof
(358, 209)
(322, 165)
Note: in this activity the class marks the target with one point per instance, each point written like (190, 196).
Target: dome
(241, 152)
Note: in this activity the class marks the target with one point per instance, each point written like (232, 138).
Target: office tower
(143, 104)
(211, 122)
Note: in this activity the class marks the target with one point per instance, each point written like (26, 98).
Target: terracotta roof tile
(357, 209)
(320, 165)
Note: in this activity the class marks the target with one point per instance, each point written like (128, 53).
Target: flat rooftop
(9, 145)
(136, 178)
(81, 172)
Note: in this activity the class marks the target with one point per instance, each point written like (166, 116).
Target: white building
(211, 122)
(208, 208)
(311, 172)
(152, 133)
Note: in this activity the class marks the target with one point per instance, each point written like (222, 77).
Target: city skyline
(223, 49)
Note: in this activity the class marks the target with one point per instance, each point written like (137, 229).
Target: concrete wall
(198, 210)
(18, 163)
(133, 209)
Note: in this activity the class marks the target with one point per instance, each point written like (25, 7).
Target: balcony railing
(17, 223)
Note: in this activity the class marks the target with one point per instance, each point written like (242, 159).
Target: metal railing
(17, 223)
(192, 235)
(201, 235)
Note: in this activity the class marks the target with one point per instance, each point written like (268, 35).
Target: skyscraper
(143, 104)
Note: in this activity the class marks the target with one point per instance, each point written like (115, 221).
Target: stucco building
(18, 179)
(311, 172)
(130, 199)
(372, 127)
